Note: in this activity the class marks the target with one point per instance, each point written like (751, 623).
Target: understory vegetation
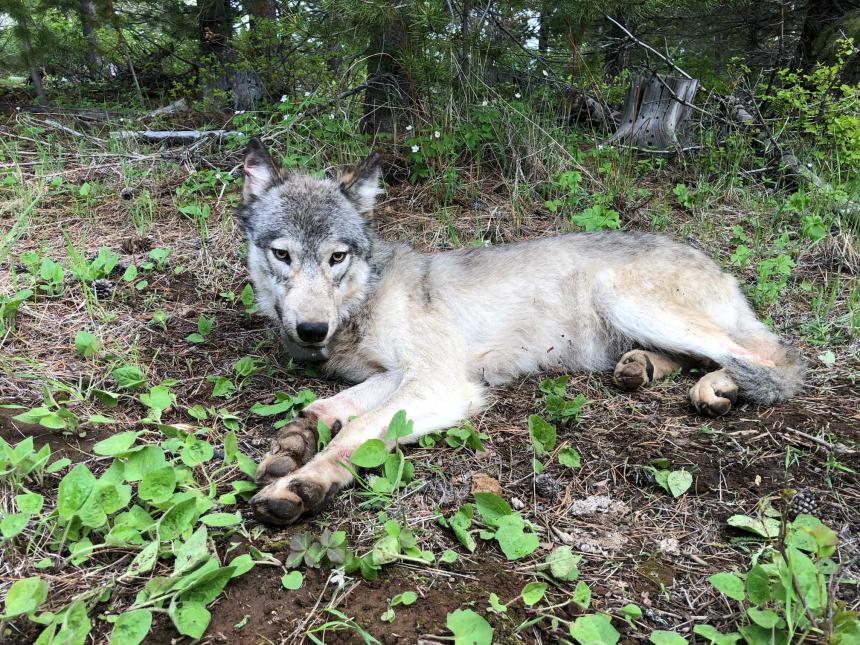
(139, 386)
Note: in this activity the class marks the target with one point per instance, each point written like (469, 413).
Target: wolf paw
(294, 446)
(286, 500)
(714, 394)
(634, 370)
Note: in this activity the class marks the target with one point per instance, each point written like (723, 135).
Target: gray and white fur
(431, 333)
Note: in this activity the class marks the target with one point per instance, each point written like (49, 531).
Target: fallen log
(173, 136)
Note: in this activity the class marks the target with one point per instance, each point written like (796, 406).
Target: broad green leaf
(222, 519)
(131, 627)
(594, 629)
(809, 581)
(370, 454)
(190, 618)
(208, 587)
(729, 585)
(631, 611)
(514, 542)
(292, 580)
(158, 485)
(713, 635)
(25, 596)
(469, 628)
(176, 520)
(542, 433)
(492, 508)
(144, 561)
(106, 498)
(74, 490)
(399, 427)
(766, 618)
(582, 595)
(533, 592)
(495, 605)
(128, 377)
(679, 482)
(758, 585)
(661, 637)
(563, 563)
(196, 452)
(29, 502)
(569, 457)
(86, 344)
(241, 564)
(143, 461)
(116, 444)
(13, 524)
(766, 528)
(76, 625)
(192, 552)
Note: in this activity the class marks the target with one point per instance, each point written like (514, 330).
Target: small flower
(284, 98)
(437, 134)
(518, 95)
(286, 116)
(18, 109)
(239, 112)
(415, 148)
(484, 104)
(307, 93)
(331, 116)
(545, 73)
(408, 127)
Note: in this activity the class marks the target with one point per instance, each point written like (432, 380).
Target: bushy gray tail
(768, 384)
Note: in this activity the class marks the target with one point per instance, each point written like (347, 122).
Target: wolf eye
(337, 257)
(281, 254)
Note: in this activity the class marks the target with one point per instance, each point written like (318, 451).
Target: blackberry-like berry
(103, 288)
(546, 486)
(803, 502)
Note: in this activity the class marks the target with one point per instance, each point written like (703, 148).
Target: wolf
(431, 334)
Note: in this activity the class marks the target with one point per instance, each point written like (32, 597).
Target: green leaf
(196, 452)
(766, 618)
(715, 636)
(514, 542)
(758, 585)
(679, 482)
(116, 444)
(209, 586)
(76, 625)
(192, 552)
(131, 627)
(569, 457)
(492, 508)
(74, 490)
(13, 524)
(533, 592)
(29, 502)
(25, 596)
(542, 433)
(496, 606)
(128, 377)
(469, 628)
(143, 461)
(631, 611)
(661, 637)
(729, 585)
(563, 563)
(766, 528)
(582, 595)
(86, 344)
(399, 427)
(144, 561)
(241, 564)
(370, 454)
(222, 519)
(176, 520)
(594, 629)
(406, 598)
(292, 580)
(157, 485)
(190, 618)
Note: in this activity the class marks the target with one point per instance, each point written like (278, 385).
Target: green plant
(406, 598)
(9, 307)
(598, 217)
(676, 482)
(558, 406)
(204, 328)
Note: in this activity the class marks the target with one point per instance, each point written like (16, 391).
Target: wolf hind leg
(296, 443)
(714, 394)
(640, 367)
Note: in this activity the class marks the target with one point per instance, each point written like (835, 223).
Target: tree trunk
(656, 111)
(820, 15)
(267, 9)
(464, 40)
(543, 29)
(618, 50)
(387, 93)
(22, 30)
(215, 29)
(87, 10)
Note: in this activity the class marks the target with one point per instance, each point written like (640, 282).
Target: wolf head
(309, 245)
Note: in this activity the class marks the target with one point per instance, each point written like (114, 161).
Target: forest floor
(639, 544)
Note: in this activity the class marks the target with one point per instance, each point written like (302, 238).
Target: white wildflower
(545, 73)
(239, 112)
(409, 128)
(437, 134)
(415, 148)
(284, 98)
(518, 95)
(484, 104)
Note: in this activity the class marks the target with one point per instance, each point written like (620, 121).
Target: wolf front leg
(430, 404)
(296, 443)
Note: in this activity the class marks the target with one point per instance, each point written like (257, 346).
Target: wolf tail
(779, 379)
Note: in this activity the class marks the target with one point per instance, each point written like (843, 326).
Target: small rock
(546, 486)
(483, 483)
(517, 504)
(669, 545)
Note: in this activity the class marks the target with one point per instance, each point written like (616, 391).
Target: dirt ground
(639, 544)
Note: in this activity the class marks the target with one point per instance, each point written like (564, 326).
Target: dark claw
(279, 512)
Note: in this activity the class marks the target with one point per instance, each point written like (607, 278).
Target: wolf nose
(314, 332)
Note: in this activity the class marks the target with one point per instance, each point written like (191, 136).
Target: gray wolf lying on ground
(430, 333)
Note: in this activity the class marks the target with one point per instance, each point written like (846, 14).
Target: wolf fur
(431, 333)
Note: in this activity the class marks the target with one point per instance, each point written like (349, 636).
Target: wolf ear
(260, 171)
(361, 184)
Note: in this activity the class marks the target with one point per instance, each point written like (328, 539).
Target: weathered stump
(656, 111)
